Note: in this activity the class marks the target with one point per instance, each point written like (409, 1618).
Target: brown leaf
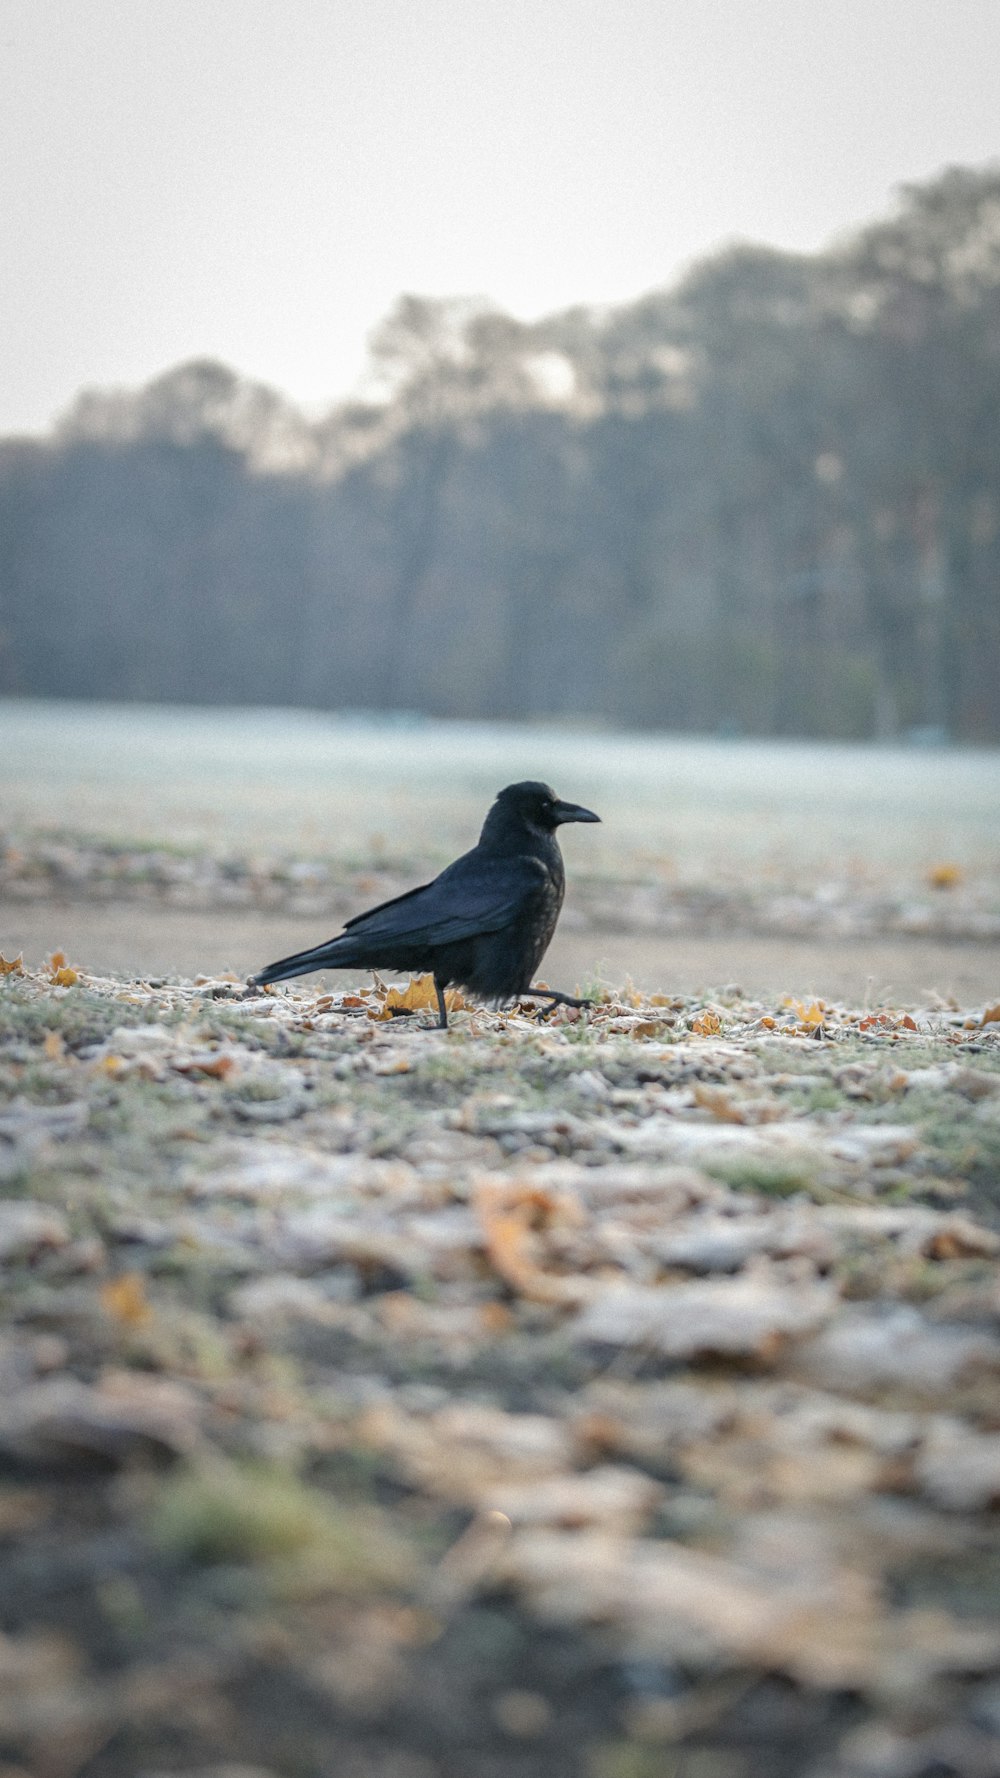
(124, 1299)
(11, 965)
(216, 1067)
(720, 1102)
(877, 1021)
(510, 1214)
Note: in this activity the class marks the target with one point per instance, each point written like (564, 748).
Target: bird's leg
(552, 998)
(442, 1023)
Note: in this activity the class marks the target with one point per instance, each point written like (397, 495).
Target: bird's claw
(559, 1000)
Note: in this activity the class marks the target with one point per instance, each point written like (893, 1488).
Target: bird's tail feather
(301, 963)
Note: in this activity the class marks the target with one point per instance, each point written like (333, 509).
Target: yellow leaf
(419, 995)
(991, 1016)
(11, 965)
(944, 876)
(54, 1046)
(124, 1299)
(807, 1015)
(707, 1024)
(60, 973)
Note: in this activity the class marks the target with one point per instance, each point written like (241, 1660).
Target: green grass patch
(80, 1016)
(248, 1514)
(772, 1178)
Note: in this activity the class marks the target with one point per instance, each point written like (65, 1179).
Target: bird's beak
(572, 812)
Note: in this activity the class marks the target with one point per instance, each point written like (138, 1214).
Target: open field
(174, 842)
(315, 786)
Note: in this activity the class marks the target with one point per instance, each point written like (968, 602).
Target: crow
(485, 923)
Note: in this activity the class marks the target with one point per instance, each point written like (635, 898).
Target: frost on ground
(617, 1396)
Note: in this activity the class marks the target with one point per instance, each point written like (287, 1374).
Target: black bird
(485, 923)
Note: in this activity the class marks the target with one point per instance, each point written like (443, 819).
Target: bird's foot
(552, 999)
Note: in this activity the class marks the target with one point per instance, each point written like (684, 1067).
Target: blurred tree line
(765, 501)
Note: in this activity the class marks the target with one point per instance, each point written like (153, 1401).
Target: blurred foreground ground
(612, 1398)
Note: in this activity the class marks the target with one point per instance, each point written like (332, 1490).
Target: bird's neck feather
(504, 831)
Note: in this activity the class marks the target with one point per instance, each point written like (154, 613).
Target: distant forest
(765, 501)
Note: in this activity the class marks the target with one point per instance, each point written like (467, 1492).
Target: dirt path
(131, 939)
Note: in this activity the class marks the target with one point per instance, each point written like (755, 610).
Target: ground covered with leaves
(616, 1397)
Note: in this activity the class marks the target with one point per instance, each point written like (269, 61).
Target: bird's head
(537, 805)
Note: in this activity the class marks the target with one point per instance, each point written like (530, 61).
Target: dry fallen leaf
(216, 1067)
(60, 973)
(707, 1024)
(419, 995)
(124, 1299)
(11, 965)
(720, 1102)
(511, 1214)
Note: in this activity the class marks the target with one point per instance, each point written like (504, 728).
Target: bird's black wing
(476, 894)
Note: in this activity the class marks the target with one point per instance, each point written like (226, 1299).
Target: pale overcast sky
(257, 180)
